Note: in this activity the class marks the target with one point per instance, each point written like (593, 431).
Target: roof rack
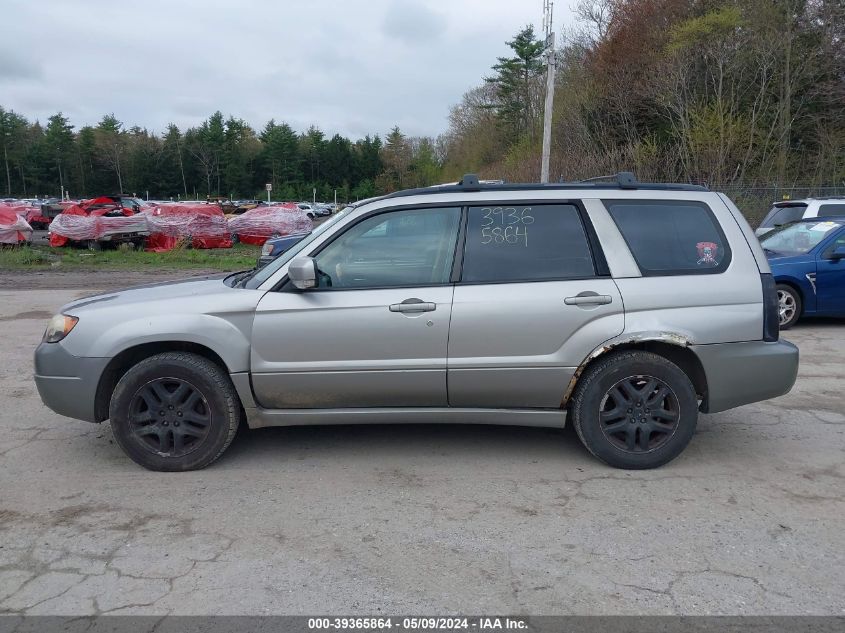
(622, 180)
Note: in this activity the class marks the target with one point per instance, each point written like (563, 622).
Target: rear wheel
(635, 410)
(174, 411)
(789, 306)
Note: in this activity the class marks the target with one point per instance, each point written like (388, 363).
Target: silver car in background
(624, 307)
(788, 211)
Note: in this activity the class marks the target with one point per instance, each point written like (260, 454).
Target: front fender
(227, 337)
(802, 282)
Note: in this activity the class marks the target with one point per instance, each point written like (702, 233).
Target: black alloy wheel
(169, 416)
(639, 414)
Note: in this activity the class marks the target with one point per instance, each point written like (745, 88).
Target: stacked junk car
(14, 229)
(110, 220)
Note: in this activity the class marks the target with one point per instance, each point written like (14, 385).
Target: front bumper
(66, 383)
(742, 373)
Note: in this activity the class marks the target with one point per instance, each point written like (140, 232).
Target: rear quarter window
(671, 237)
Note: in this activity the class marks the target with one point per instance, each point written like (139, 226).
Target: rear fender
(626, 341)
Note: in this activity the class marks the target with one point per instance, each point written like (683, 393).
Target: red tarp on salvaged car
(78, 224)
(33, 216)
(13, 227)
(203, 224)
(258, 225)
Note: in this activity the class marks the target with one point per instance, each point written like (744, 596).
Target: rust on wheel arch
(644, 337)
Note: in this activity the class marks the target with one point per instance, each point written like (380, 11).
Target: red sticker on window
(707, 252)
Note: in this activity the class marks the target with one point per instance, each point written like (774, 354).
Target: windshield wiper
(239, 277)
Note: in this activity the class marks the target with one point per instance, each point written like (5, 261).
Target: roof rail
(470, 182)
(624, 180)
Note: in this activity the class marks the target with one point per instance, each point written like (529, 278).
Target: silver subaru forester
(626, 307)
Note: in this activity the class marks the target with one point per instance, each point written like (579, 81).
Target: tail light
(771, 324)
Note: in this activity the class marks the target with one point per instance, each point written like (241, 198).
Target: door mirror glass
(302, 273)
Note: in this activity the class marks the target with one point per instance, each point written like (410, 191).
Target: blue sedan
(275, 246)
(808, 263)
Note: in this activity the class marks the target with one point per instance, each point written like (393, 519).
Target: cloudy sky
(355, 67)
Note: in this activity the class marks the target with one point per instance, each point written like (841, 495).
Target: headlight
(59, 327)
(267, 249)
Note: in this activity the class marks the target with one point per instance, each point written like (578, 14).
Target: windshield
(263, 274)
(798, 238)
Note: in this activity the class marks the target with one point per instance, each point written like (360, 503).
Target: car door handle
(413, 305)
(585, 299)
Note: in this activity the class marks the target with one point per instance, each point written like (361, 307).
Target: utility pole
(6, 157)
(61, 180)
(549, 32)
(181, 168)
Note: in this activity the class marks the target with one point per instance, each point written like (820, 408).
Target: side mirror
(302, 272)
(838, 252)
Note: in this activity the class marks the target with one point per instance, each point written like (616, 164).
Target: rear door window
(525, 242)
(677, 237)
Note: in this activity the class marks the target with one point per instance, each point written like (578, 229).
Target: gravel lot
(425, 519)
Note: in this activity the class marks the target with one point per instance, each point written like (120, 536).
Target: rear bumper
(66, 383)
(265, 259)
(742, 373)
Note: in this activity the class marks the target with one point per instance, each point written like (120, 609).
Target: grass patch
(239, 257)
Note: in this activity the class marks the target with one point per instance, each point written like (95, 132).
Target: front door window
(407, 248)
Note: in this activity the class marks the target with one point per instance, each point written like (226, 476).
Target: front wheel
(635, 410)
(789, 306)
(174, 411)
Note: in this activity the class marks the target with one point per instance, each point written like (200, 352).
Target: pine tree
(518, 82)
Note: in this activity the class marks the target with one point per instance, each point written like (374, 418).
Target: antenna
(549, 33)
(548, 26)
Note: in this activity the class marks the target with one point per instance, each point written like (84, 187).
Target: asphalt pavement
(424, 519)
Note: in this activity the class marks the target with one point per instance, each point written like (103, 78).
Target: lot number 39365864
(505, 225)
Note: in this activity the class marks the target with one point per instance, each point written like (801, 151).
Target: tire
(789, 306)
(235, 238)
(606, 424)
(196, 396)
